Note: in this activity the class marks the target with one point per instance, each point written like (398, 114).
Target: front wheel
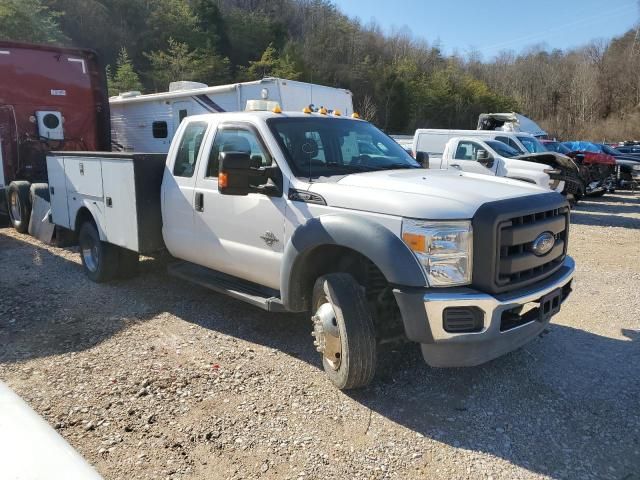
(99, 259)
(344, 331)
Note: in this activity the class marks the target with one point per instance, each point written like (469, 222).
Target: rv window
(159, 129)
(182, 114)
(237, 140)
(188, 149)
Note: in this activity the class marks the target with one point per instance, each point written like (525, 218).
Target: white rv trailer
(147, 123)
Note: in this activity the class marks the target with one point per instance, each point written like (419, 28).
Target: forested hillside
(398, 82)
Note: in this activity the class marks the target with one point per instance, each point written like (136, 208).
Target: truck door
(467, 156)
(178, 185)
(239, 235)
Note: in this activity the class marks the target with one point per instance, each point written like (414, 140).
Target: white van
(433, 140)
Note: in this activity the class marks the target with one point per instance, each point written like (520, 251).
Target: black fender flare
(376, 242)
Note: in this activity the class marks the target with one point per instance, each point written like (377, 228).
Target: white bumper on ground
(31, 450)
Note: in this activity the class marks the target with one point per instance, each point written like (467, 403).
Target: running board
(237, 288)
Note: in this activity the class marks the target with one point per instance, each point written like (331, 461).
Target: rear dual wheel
(344, 331)
(19, 205)
(104, 261)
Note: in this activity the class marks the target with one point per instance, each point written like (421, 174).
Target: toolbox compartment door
(120, 207)
(84, 176)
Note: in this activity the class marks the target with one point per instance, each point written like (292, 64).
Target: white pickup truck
(309, 212)
(492, 157)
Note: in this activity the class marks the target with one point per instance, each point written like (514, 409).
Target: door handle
(199, 203)
(455, 165)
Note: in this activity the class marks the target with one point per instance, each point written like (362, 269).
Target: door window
(188, 149)
(237, 139)
(467, 151)
(511, 142)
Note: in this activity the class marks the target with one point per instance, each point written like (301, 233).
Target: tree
(125, 78)
(29, 21)
(272, 65)
(178, 62)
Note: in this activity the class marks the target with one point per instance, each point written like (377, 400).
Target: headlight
(444, 249)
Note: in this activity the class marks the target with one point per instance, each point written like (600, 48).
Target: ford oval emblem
(543, 244)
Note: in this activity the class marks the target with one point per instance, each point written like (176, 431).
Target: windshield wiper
(351, 168)
(394, 166)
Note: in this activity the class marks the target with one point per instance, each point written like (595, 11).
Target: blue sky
(490, 26)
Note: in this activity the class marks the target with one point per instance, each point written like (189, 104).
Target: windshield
(532, 144)
(609, 150)
(582, 147)
(556, 147)
(323, 147)
(503, 149)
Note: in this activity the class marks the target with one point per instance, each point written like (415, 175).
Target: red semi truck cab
(51, 98)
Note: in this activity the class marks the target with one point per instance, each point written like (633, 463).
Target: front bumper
(502, 330)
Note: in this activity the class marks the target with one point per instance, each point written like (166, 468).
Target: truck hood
(552, 159)
(421, 193)
(522, 164)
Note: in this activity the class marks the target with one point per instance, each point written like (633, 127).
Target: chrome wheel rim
(327, 335)
(90, 255)
(15, 207)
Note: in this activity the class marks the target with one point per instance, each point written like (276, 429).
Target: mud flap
(39, 225)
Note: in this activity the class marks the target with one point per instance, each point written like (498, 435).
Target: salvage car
(597, 168)
(493, 157)
(627, 167)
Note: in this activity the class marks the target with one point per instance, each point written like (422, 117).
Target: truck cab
(314, 212)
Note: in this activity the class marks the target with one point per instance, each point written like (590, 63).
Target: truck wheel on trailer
(19, 205)
(344, 331)
(100, 259)
(39, 190)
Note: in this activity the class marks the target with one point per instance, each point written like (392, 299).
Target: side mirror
(234, 173)
(484, 158)
(423, 159)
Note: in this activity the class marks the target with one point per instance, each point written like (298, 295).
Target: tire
(39, 190)
(19, 205)
(340, 306)
(100, 259)
(128, 263)
(597, 194)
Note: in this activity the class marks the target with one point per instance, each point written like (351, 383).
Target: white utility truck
(147, 123)
(286, 211)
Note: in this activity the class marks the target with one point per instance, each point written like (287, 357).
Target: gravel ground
(152, 378)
